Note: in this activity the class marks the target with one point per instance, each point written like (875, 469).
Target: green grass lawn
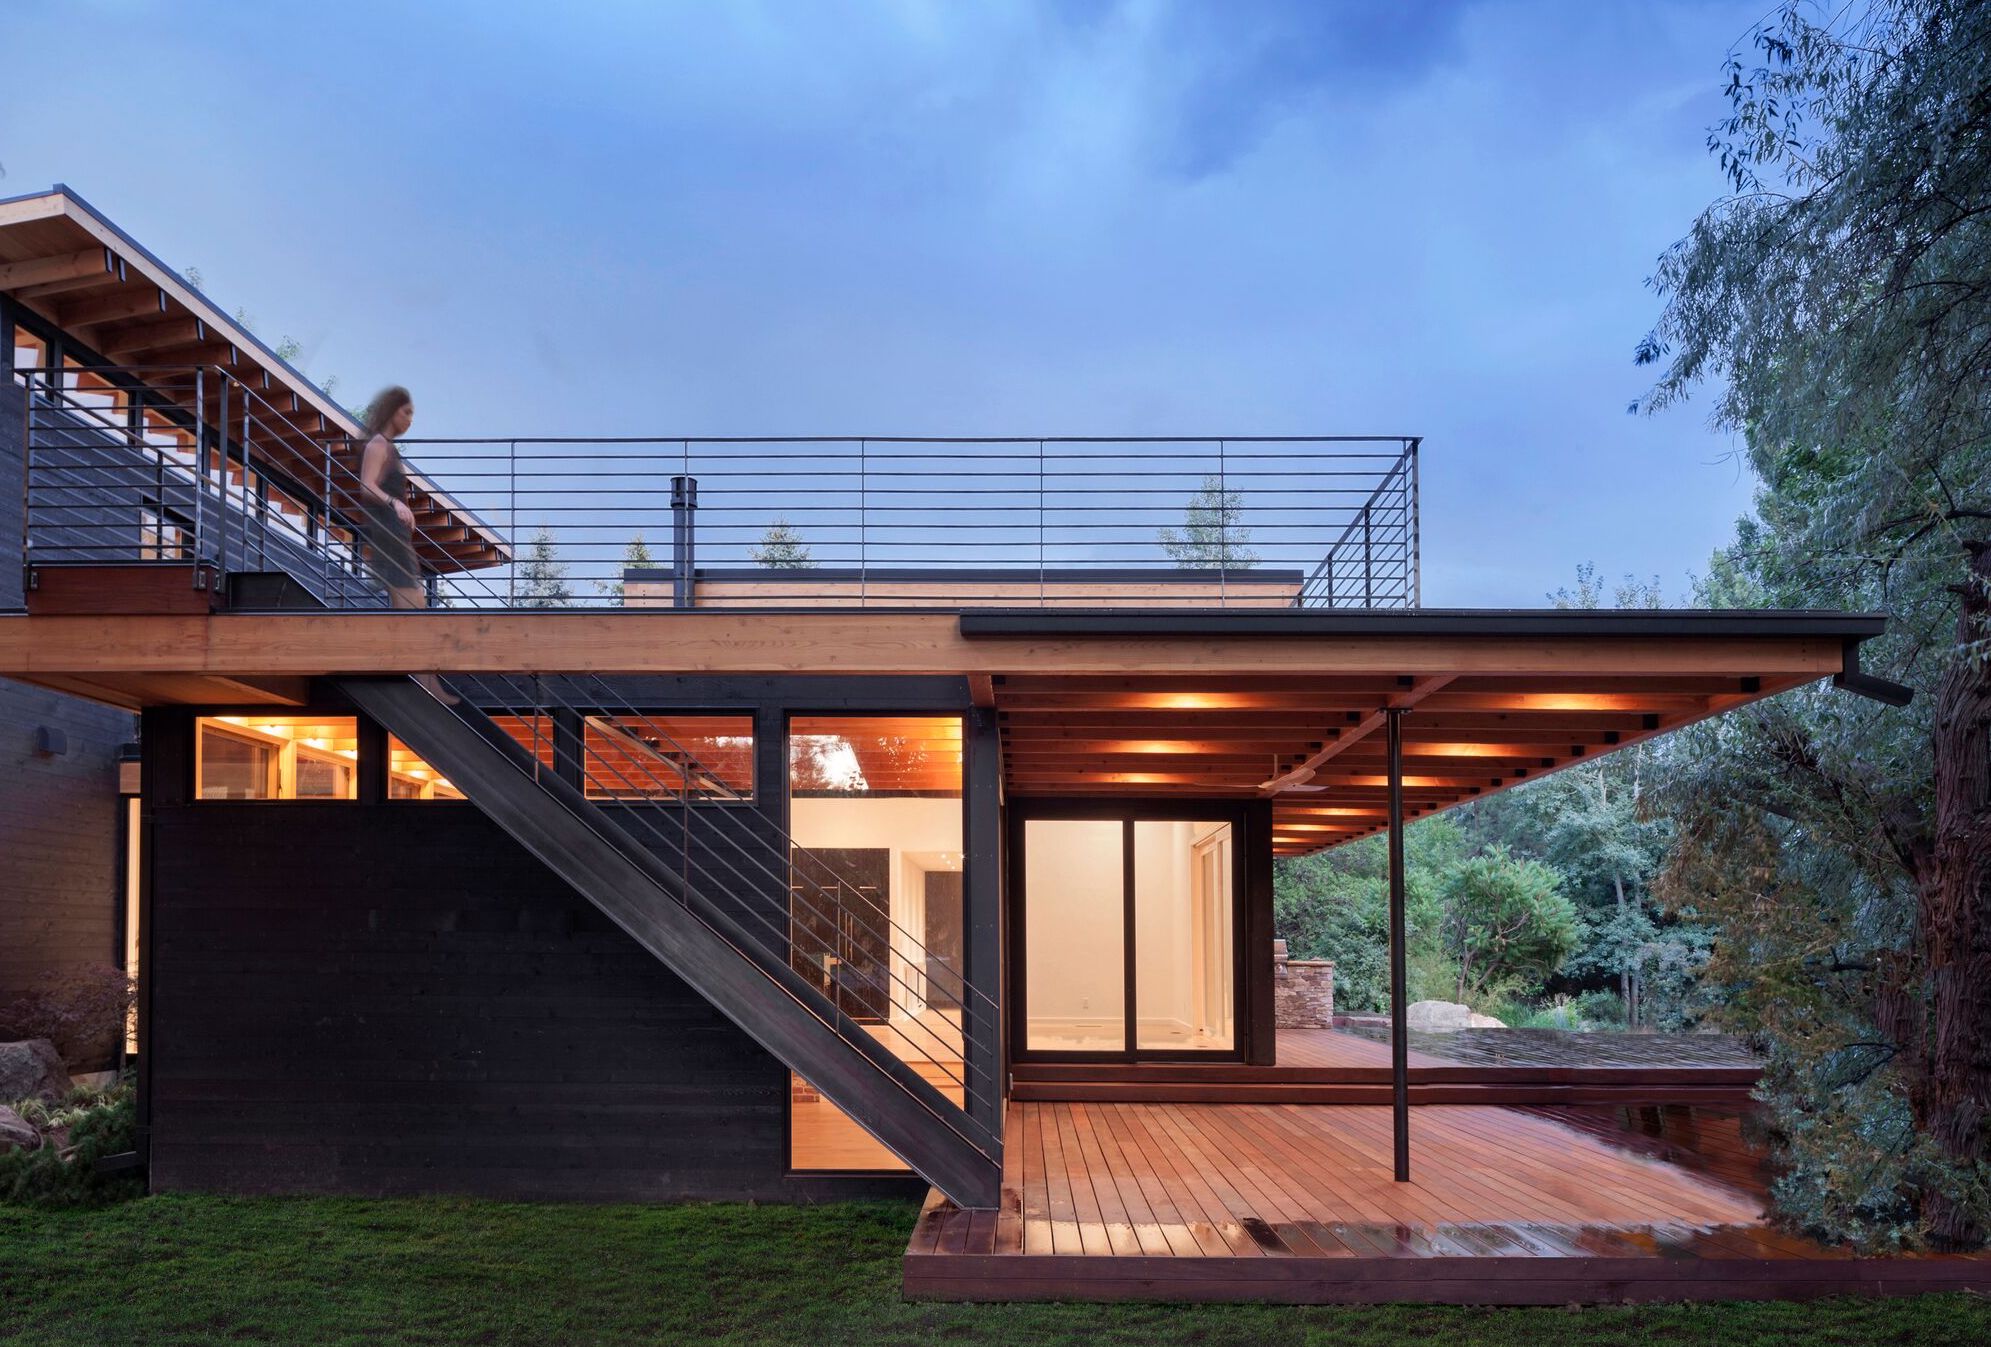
(201, 1270)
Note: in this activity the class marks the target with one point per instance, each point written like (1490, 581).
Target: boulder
(1438, 1017)
(15, 1132)
(32, 1069)
(1479, 1021)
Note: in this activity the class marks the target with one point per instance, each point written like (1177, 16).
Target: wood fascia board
(847, 642)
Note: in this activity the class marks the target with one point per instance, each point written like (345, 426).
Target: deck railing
(113, 473)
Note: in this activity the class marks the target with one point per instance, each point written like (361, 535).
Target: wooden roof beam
(26, 277)
(97, 310)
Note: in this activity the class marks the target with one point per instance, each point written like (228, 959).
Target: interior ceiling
(1465, 737)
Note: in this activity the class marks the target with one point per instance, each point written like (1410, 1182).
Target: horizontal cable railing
(97, 452)
(786, 901)
(642, 521)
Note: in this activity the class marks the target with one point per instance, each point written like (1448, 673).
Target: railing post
(221, 507)
(1368, 563)
(1416, 532)
(325, 527)
(684, 541)
(200, 467)
(27, 490)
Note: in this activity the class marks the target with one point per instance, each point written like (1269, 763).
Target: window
(1128, 935)
(409, 778)
(666, 757)
(875, 907)
(258, 757)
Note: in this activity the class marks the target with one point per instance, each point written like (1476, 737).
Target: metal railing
(114, 474)
(785, 900)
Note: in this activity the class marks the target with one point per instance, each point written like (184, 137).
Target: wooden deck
(1295, 1203)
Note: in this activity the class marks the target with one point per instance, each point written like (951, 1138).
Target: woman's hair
(381, 410)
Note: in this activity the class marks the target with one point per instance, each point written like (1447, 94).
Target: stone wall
(1302, 991)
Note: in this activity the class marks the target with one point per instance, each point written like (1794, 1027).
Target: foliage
(1213, 535)
(542, 576)
(183, 1271)
(1839, 298)
(86, 1126)
(1507, 924)
(1335, 905)
(82, 1010)
(634, 556)
(781, 548)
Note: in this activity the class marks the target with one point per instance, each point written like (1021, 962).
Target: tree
(1212, 536)
(634, 556)
(1334, 904)
(1839, 294)
(782, 548)
(1507, 925)
(542, 576)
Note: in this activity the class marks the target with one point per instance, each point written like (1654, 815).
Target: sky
(1101, 217)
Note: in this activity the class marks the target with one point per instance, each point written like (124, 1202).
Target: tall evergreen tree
(635, 555)
(542, 576)
(781, 548)
(1213, 535)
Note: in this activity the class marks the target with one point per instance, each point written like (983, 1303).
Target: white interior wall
(907, 827)
(1074, 965)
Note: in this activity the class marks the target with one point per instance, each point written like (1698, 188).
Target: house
(942, 868)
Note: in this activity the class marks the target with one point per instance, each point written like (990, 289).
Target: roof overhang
(1107, 702)
(63, 260)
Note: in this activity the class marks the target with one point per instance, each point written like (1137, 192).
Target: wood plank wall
(60, 905)
(398, 999)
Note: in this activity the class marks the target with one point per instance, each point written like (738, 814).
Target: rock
(32, 1069)
(15, 1132)
(1438, 1017)
(1479, 1021)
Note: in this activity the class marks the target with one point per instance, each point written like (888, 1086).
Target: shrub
(76, 1133)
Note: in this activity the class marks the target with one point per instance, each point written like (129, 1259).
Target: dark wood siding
(399, 999)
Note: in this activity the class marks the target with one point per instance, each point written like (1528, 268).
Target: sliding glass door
(1129, 936)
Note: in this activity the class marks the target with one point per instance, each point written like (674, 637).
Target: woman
(390, 524)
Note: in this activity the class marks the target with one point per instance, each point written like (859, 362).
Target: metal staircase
(715, 904)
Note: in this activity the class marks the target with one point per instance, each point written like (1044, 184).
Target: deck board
(1296, 1203)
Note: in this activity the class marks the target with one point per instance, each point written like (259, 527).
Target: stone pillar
(1302, 991)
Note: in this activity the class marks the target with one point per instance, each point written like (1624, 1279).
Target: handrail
(876, 521)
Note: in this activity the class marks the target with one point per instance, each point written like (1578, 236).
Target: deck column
(981, 921)
(1399, 1011)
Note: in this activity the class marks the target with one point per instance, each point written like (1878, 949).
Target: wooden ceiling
(1466, 736)
(64, 262)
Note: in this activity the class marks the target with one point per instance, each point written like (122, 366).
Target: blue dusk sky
(1098, 217)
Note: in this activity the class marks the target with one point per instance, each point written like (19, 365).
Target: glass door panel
(1184, 994)
(1075, 987)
